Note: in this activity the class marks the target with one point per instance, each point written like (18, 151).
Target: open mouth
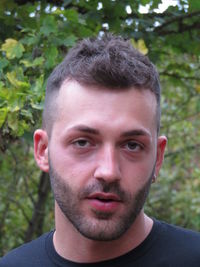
(104, 200)
(104, 203)
(104, 197)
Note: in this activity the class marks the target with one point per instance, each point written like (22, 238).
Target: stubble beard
(102, 226)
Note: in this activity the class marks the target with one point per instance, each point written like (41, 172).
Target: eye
(133, 146)
(81, 143)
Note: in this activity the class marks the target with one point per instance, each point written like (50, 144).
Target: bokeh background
(34, 38)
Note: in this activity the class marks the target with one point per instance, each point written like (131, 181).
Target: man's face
(102, 156)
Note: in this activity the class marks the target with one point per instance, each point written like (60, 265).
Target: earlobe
(161, 144)
(41, 149)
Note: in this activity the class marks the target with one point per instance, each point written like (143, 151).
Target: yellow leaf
(140, 45)
(198, 88)
(12, 48)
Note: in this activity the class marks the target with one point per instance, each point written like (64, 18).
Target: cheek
(75, 169)
(136, 174)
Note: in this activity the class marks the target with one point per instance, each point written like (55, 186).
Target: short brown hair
(109, 61)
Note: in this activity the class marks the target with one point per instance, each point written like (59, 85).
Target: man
(100, 144)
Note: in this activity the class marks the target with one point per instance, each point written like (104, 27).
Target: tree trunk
(35, 226)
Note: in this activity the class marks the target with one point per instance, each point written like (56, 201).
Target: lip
(104, 202)
(104, 196)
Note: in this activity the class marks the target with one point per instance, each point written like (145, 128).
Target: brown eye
(82, 143)
(133, 146)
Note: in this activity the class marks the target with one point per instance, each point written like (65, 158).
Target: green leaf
(3, 114)
(1, 85)
(36, 62)
(51, 54)
(38, 106)
(38, 85)
(13, 79)
(12, 48)
(194, 5)
(71, 15)
(30, 39)
(144, 2)
(13, 121)
(70, 40)
(3, 63)
(155, 3)
(49, 25)
(27, 113)
(4, 92)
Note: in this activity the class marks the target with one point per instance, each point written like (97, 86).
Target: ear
(161, 144)
(41, 149)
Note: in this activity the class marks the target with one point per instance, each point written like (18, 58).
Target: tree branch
(182, 28)
(175, 75)
(36, 223)
(179, 18)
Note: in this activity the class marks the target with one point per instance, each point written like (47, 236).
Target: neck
(71, 245)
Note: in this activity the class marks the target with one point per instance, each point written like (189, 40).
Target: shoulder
(176, 233)
(180, 244)
(26, 254)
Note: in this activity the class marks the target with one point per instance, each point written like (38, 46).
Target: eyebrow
(90, 130)
(135, 132)
(85, 129)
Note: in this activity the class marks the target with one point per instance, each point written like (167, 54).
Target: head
(109, 62)
(100, 140)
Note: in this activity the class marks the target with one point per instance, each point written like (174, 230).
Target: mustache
(104, 187)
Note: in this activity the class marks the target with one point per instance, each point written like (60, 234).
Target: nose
(108, 165)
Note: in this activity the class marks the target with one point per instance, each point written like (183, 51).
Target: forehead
(104, 108)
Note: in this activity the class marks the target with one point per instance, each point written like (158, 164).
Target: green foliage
(35, 37)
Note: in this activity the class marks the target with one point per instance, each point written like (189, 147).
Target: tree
(35, 36)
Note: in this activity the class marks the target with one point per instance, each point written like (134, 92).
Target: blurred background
(34, 38)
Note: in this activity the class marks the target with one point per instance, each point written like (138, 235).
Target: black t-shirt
(165, 246)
